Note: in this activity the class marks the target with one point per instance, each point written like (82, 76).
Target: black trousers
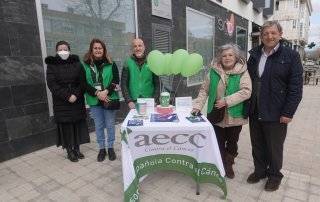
(267, 139)
(227, 139)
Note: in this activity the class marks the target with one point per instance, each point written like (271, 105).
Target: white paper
(184, 103)
(150, 104)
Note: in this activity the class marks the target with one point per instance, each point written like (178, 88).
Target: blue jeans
(104, 119)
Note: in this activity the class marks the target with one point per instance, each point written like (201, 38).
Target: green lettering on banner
(200, 172)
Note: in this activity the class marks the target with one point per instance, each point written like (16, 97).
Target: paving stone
(297, 184)
(5, 196)
(314, 198)
(20, 190)
(40, 180)
(315, 189)
(288, 199)
(315, 180)
(76, 184)
(29, 195)
(296, 194)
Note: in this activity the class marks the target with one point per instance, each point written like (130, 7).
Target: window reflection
(200, 30)
(78, 21)
(242, 40)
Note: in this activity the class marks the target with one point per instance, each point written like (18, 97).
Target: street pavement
(46, 175)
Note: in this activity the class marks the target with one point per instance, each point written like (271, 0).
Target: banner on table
(184, 151)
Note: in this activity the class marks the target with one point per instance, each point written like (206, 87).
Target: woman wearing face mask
(102, 84)
(227, 86)
(63, 80)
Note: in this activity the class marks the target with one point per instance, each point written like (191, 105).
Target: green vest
(141, 80)
(233, 86)
(107, 77)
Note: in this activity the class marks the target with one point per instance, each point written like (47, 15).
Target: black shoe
(72, 156)
(102, 155)
(78, 153)
(254, 178)
(229, 159)
(272, 184)
(111, 154)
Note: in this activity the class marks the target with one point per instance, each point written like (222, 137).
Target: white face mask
(63, 54)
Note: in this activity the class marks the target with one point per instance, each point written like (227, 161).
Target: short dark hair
(62, 43)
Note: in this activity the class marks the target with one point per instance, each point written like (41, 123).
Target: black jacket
(63, 80)
(281, 84)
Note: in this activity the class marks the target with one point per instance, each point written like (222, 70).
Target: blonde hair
(235, 48)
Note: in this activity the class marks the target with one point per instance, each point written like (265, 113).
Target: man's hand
(284, 119)
(131, 105)
(72, 98)
(220, 103)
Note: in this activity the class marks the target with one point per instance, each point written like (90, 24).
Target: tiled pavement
(47, 175)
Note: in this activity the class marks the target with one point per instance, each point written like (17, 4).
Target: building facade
(294, 16)
(30, 29)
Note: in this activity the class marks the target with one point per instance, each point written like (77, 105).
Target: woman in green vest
(226, 86)
(102, 84)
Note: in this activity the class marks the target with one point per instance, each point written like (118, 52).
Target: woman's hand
(72, 98)
(220, 103)
(103, 95)
(195, 111)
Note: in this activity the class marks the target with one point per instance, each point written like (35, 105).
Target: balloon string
(174, 95)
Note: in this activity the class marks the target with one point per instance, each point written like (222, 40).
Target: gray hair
(270, 24)
(235, 48)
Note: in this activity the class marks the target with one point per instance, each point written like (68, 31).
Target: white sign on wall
(162, 8)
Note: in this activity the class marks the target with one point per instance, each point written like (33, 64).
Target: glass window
(79, 21)
(200, 33)
(294, 24)
(242, 40)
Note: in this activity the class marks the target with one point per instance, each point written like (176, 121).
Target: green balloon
(178, 57)
(155, 62)
(192, 65)
(166, 67)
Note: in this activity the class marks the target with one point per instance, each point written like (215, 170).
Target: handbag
(111, 105)
(216, 115)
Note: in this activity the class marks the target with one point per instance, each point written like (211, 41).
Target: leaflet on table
(164, 118)
(135, 122)
(195, 119)
(183, 104)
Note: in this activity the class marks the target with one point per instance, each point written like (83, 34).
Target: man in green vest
(137, 81)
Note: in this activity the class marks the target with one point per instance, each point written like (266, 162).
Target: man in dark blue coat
(276, 73)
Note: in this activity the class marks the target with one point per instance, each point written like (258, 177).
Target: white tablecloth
(182, 146)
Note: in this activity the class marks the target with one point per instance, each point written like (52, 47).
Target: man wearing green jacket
(137, 81)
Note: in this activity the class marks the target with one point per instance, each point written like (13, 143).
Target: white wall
(242, 9)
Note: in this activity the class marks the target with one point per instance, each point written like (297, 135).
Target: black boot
(72, 155)
(102, 155)
(229, 161)
(111, 154)
(78, 153)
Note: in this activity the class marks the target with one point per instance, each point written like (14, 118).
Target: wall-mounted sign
(162, 8)
(228, 25)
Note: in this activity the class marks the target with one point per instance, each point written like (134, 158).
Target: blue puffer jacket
(281, 84)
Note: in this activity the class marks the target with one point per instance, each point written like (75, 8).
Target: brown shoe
(272, 184)
(254, 178)
(229, 161)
